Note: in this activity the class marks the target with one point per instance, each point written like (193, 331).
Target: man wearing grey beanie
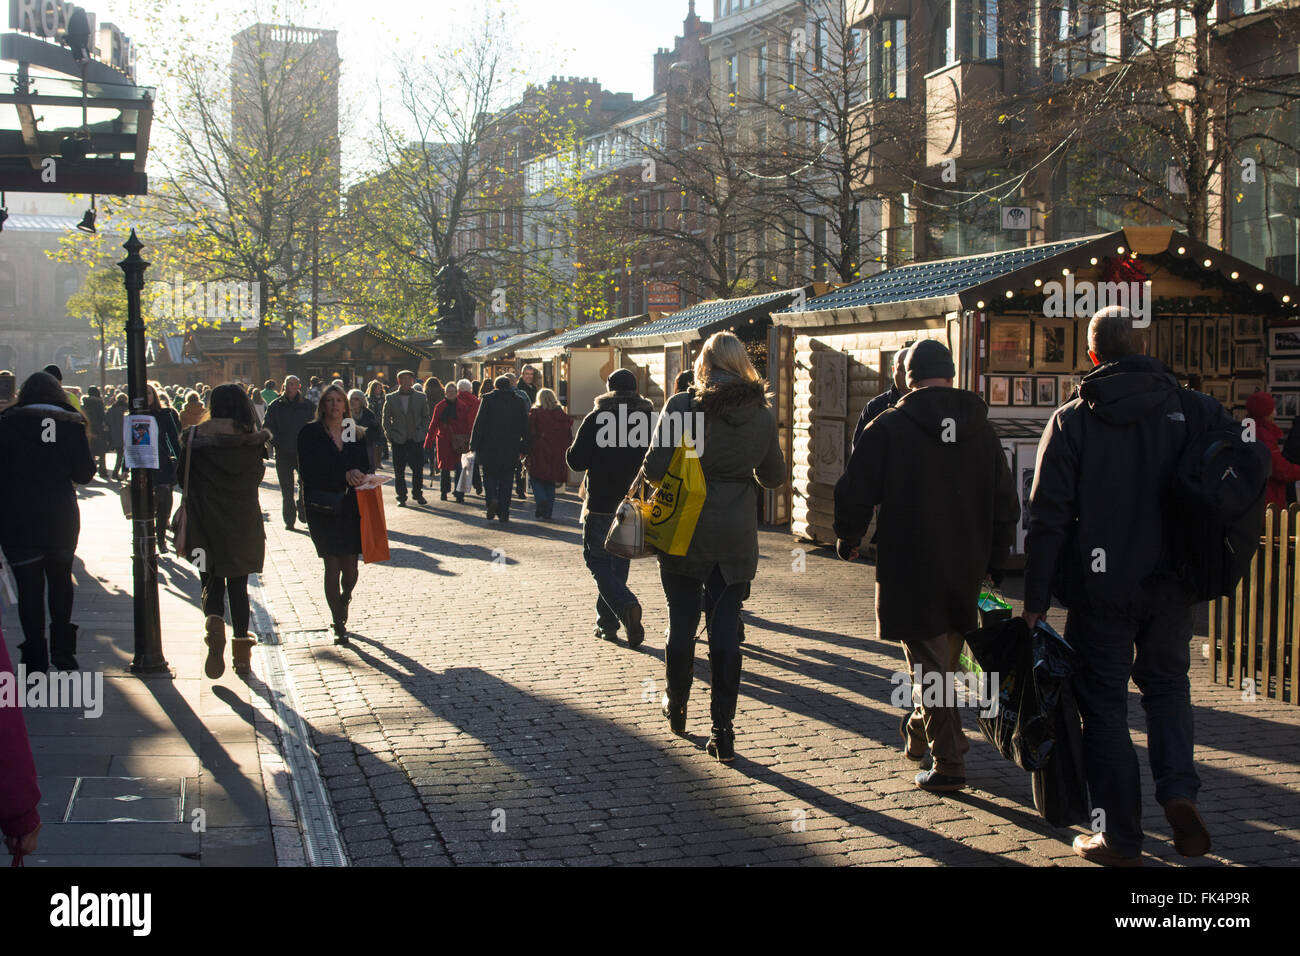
(948, 513)
(886, 399)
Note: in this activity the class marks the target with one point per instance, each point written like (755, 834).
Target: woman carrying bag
(739, 443)
(333, 461)
(448, 436)
(552, 431)
(221, 533)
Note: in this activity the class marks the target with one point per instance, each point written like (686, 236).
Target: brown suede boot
(241, 654)
(215, 638)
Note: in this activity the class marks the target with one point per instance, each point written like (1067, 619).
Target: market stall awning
(703, 319)
(584, 336)
(503, 347)
(358, 342)
(979, 282)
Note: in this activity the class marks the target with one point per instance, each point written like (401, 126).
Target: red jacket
(440, 432)
(19, 794)
(1284, 472)
(552, 433)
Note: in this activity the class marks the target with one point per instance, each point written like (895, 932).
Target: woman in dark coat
(375, 400)
(360, 413)
(331, 466)
(499, 437)
(114, 418)
(224, 535)
(552, 430)
(92, 406)
(169, 449)
(44, 451)
(448, 437)
(739, 444)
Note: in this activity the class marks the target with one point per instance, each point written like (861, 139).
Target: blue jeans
(609, 570)
(497, 489)
(722, 603)
(544, 495)
(1105, 649)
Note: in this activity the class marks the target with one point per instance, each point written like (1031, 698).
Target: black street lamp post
(148, 659)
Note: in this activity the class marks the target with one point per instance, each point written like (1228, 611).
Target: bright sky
(610, 40)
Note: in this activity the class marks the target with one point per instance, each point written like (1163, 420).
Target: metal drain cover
(126, 800)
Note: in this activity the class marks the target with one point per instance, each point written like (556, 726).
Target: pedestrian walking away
(169, 447)
(947, 519)
(1105, 461)
(611, 467)
(499, 438)
(406, 422)
(40, 521)
(20, 797)
(334, 462)
(223, 461)
(448, 435)
(115, 419)
(286, 416)
(886, 399)
(434, 391)
(551, 429)
(92, 407)
(722, 557)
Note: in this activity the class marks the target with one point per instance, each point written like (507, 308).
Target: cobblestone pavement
(475, 719)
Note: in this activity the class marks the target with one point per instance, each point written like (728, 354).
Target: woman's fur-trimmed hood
(221, 433)
(733, 400)
(611, 400)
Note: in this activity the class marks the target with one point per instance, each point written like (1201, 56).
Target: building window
(889, 60)
(729, 66)
(980, 29)
(942, 48)
(762, 71)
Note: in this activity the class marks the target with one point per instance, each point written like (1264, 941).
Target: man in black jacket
(1097, 541)
(285, 417)
(886, 399)
(499, 437)
(611, 466)
(948, 512)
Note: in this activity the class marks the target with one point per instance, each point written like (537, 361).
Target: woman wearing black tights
(224, 535)
(333, 460)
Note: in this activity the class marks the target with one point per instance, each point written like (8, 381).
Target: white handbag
(626, 538)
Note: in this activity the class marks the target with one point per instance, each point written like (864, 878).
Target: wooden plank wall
(813, 501)
(648, 364)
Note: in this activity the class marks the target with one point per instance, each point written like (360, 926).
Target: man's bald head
(1110, 334)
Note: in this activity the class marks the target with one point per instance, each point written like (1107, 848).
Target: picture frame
(1010, 344)
(1284, 341)
(672, 366)
(1243, 388)
(1247, 326)
(1209, 346)
(1284, 373)
(1026, 462)
(1054, 349)
(1288, 404)
(1083, 363)
(1225, 346)
(1178, 353)
(1045, 391)
(999, 390)
(1221, 392)
(1193, 345)
(1248, 358)
(1022, 391)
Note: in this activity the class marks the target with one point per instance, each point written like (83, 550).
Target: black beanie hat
(622, 381)
(929, 358)
(53, 370)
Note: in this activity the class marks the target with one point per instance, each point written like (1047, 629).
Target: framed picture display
(1248, 358)
(1284, 373)
(1045, 389)
(1193, 345)
(1209, 346)
(1022, 391)
(1221, 392)
(1069, 388)
(1026, 459)
(1009, 345)
(999, 390)
(1053, 346)
(672, 366)
(1243, 388)
(1288, 404)
(1082, 362)
(1247, 326)
(1284, 341)
(1165, 341)
(1178, 354)
(1225, 346)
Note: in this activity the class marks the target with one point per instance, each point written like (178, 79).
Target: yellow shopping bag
(677, 503)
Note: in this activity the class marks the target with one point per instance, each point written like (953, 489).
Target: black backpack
(1215, 504)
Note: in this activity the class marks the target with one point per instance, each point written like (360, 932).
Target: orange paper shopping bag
(374, 530)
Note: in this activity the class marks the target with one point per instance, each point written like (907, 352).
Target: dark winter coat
(500, 433)
(224, 532)
(444, 425)
(551, 430)
(740, 443)
(284, 420)
(169, 444)
(93, 408)
(114, 418)
(1104, 461)
(38, 500)
(873, 408)
(324, 468)
(611, 466)
(948, 509)
(19, 794)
